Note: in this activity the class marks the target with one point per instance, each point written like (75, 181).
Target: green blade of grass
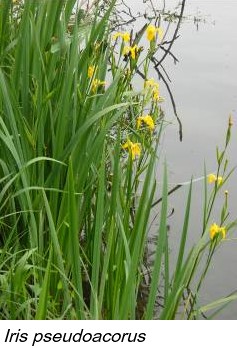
(159, 251)
(74, 244)
(41, 311)
(184, 234)
(97, 247)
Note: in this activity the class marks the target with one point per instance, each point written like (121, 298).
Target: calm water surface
(204, 84)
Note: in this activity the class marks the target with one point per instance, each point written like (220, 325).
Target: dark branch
(175, 34)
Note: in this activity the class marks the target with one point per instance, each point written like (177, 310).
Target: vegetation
(79, 149)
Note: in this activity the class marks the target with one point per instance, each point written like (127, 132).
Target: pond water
(204, 86)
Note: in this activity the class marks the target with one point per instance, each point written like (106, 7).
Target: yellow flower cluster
(216, 229)
(147, 120)
(125, 36)
(97, 83)
(90, 71)
(132, 50)
(154, 86)
(133, 148)
(212, 178)
(151, 31)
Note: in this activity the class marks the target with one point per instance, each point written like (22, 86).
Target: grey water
(204, 86)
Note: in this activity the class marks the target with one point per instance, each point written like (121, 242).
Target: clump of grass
(79, 147)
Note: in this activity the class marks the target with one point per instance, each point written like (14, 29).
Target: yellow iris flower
(212, 178)
(97, 83)
(156, 95)
(151, 83)
(133, 50)
(151, 31)
(154, 86)
(215, 230)
(133, 148)
(148, 120)
(125, 36)
(90, 71)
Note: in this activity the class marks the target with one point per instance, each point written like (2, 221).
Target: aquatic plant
(77, 174)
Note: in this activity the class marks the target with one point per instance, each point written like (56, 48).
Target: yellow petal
(116, 35)
(148, 120)
(126, 37)
(91, 71)
(214, 229)
(211, 178)
(126, 50)
(134, 51)
(156, 95)
(160, 32)
(151, 83)
(139, 122)
(133, 148)
(150, 32)
(223, 231)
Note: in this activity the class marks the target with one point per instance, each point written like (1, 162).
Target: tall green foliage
(77, 174)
